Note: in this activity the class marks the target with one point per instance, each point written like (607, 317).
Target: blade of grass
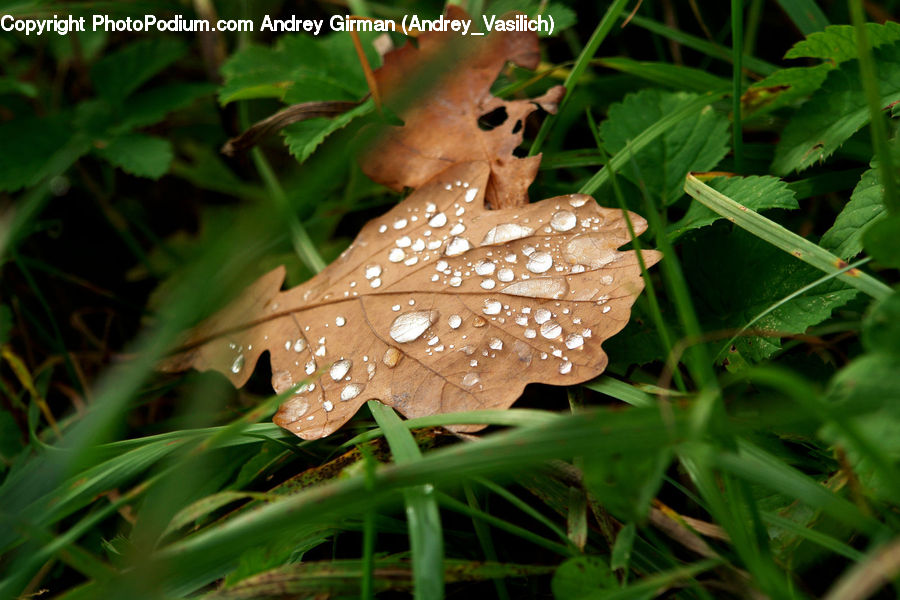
(737, 76)
(422, 515)
(780, 237)
(876, 116)
(603, 28)
(805, 14)
(483, 533)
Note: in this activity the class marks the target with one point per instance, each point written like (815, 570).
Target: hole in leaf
(518, 126)
(490, 120)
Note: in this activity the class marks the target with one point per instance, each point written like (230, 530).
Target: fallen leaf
(440, 305)
(441, 128)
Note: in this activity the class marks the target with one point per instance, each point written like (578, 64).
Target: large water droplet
(574, 340)
(457, 229)
(577, 201)
(565, 367)
(591, 251)
(551, 329)
(457, 246)
(542, 315)
(340, 369)
(391, 357)
(340, 321)
(506, 232)
(496, 344)
(238, 364)
(400, 223)
(538, 288)
(470, 379)
(404, 242)
(328, 406)
(488, 284)
(300, 345)
(539, 262)
(484, 267)
(492, 307)
(411, 325)
(471, 193)
(281, 381)
(351, 391)
(294, 408)
(454, 321)
(506, 275)
(563, 220)
(396, 255)
(438, 220)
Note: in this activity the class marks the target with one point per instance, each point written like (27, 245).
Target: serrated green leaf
(696, 143)
(882, 241)
(835, 113)
(755, 192)
(299, 68)
(304, 137)
(119, 74)
(844, 238)
(735, 276)
(139, 154)
(837, 43)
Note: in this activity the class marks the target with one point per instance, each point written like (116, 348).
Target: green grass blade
(422, 515)
(780, 237)
(805, 14)
(737, 79)
(603, 28)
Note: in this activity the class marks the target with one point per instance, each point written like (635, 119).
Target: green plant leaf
(882, 242)
(805, 14)
(139, 154)
(678, 77)
(836, 112)
(696, 143)
(119, 74)
(758, 193)
(299, 68)
(837, 43)
(735, 276)
(881, 328)
(865, 207)
(582, 577)
(563, 16)
(304, 137)
(625, 484)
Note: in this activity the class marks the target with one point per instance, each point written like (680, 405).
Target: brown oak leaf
(440, 305)
(441, 128)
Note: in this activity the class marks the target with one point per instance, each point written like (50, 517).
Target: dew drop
(471, 193)
(606, 279)
(488, 284)
(541, 316)
(328, 406)
(574, 340)
(370, 369)
(530, 333)
(438, 220)
(577, 269)
(539, 262)
(577, 201)
(340, 369)
(538, 288)
(455, 282)
(565, 367)
(590, 251)
(606, 309)
(478, 321)
(418, 245)
(281, 380)
(457, 246)
(470, 379)
(373, 271)
(563, 220)
(382, 229)
(441, 265)
(300, 345)
(510, 258)
(492, 307)
(484, 267)
(400, 223)
(506, 232)
(395, 307)
(404, 242)
(375, 283)
(238, 364)
(506, 275)
(396, 255)
(391, 357)
(411, 261)
(457, 229)
(411, 325)
(551, 329)
(351, 391)
(310, 366)
(430, 207)
(454, 321)
(522, 320)
(340, 321)
(496, 344)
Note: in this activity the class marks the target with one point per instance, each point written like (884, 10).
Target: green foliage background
(744, 441)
